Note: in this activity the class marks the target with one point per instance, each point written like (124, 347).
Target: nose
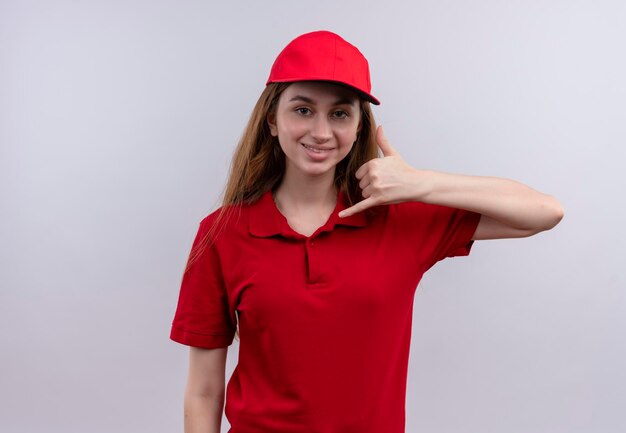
(321, 129)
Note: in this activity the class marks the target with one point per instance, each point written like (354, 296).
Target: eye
(340, 114)
(303, 110)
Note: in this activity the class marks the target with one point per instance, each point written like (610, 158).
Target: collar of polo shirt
(266, 220)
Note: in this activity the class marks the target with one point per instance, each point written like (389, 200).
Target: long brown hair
(258, 163)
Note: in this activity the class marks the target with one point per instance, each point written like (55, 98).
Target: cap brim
(363, 94)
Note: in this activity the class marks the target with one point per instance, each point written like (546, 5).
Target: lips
(317, 149)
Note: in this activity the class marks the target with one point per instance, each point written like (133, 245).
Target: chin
(317, 171)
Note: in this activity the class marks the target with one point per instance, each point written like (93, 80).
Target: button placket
(313, 262)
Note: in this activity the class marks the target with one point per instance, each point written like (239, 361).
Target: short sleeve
(452, 229)
(203, 317)
(437, 231)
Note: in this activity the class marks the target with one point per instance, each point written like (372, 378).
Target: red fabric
(324, 321)
(325, 56)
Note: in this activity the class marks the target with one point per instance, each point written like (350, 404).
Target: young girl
(316, 253)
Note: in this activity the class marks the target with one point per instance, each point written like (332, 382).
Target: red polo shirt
(325, 320)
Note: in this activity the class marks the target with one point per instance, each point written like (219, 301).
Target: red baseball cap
(323, 56)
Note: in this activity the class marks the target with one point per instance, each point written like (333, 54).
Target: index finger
(359, 207)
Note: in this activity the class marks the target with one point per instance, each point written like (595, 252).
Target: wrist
(422, 185)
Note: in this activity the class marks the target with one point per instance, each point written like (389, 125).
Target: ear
(271, 122)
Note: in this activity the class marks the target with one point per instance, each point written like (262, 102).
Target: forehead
(320, 91)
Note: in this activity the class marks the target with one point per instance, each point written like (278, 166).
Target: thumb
(383, 143)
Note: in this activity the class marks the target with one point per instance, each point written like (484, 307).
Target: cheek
(348, 135)
(289, 133)
(291, 128)
(346, 141)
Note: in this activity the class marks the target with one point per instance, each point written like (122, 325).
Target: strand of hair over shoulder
(214, 231)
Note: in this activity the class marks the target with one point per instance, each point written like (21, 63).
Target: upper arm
(207, 369)
(204, 315)
(489, 228)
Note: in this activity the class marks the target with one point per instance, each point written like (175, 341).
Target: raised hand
(385, 180)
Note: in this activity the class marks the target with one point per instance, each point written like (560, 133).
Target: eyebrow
(340, 101)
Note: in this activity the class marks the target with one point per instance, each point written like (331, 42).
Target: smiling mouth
(317, 149)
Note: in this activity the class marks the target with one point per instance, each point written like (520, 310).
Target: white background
(117, 123)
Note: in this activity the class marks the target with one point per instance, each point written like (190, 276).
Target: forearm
(507, 201)
(203, 414)
(508, 208)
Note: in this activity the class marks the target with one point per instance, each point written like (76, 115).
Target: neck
(305, 193)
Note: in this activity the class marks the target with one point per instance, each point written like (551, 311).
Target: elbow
(548, 215)
(553, 214)
(559, 214)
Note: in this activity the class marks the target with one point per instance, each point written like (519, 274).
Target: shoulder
(232, 213)
(224, 221)
(429, 215)
(224, 215)
(415, 209)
